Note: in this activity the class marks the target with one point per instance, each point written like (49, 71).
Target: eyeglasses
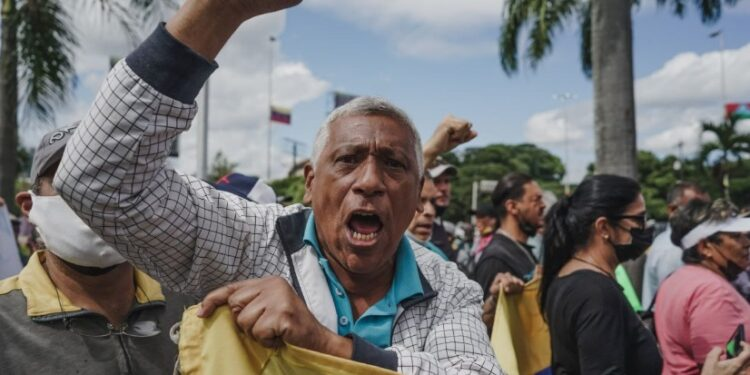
(144, 326)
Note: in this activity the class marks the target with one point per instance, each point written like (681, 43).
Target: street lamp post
(271, 40)
(564, 98)
(720, 35)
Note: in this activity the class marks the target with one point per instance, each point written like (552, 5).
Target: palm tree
(36, 70)
(606, 55)
(730, 146)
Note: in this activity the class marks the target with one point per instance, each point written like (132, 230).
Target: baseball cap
(442, 167)
(711, 227)
(50, 150)
(484, 210)
(249, 187)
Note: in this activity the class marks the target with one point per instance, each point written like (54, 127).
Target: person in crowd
(340, 278)
(664, 257)
(442, 175)
(420, 228)
(486, 225)
(517, 199)
(697, 307)
(586, 235)
(251, 188)
(78, 306)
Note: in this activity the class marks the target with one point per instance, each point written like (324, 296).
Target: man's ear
(420, 206)
(309, 177)
(510, 206)
(23, 200)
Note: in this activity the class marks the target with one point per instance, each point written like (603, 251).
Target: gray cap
(50, 150)
(441, 169)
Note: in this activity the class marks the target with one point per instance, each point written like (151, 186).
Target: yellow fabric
(520, 337)
(215, 345)
(41, 298)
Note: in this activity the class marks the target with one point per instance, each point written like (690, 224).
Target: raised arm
(113, 174)
(450, 133)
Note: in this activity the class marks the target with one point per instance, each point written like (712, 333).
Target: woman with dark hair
(592, 327)
(697, 307)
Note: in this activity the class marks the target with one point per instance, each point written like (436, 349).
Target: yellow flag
(520, 337)
(215, 345)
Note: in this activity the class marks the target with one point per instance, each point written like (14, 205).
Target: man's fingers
(248, 318)
(220, 296)
(266, 330)
(242, 297)
(215, 299)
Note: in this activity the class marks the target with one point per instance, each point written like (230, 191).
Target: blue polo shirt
(376, 324)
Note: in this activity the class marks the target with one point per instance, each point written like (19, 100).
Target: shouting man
(340, 279)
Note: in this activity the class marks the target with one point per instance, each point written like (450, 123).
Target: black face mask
(440, 210)
(731, 270)
(641, 241)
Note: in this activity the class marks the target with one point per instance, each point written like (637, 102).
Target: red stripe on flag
(281, 115)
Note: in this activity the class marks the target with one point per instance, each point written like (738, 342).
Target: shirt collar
(42, 299)
(406, 282)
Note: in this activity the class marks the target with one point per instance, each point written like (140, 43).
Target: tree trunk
(8, 102)
(614, 104)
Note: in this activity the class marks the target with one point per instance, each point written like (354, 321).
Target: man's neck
(510, 227)
(364, 290)
(110, 294)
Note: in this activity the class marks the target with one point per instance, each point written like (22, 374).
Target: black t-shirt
(503, 254)
(594, 331)
(439, 238)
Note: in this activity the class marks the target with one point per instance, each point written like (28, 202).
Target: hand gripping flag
(215, 345)
(520, 337)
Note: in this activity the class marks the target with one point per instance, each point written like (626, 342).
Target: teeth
(363, 237)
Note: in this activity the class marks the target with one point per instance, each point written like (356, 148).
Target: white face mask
(67, 236)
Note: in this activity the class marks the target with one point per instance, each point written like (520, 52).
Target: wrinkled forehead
(385, 133)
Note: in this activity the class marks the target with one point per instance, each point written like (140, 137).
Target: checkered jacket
(193, 238)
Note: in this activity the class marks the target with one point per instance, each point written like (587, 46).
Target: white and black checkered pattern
(193, 238)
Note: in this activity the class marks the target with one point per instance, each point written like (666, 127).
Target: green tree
(494, 161)
(725, 154)
(292, 188)
(220, 167)
(36, 70)
(606, 56)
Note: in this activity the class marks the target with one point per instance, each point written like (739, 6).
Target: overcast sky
(433, 58)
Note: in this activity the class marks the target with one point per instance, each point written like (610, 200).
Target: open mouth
(364, 226)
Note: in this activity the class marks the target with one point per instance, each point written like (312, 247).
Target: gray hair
(367, 106)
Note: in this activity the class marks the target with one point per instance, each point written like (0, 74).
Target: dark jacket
(503, 254)
(44, 334)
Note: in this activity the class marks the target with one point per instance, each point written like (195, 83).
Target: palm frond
(45, 52)
(710, 10)
(545, 17)
(678, 6)
(515, 16)
(707, 149)
(550, 16)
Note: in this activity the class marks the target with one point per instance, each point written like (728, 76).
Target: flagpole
(720, 34)
(271, 39)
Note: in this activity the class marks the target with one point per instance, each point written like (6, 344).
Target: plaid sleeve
(457, 343)
(177, 228)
